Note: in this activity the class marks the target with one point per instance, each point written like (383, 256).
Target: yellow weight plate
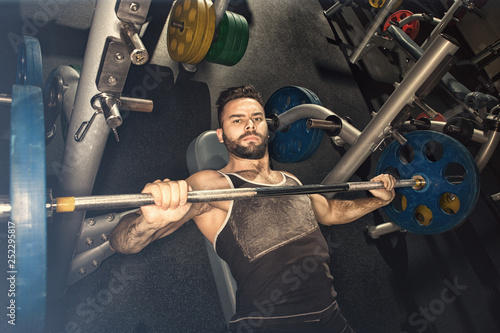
(198, 35)
(208, 36)
(377, 4)
(191, 26)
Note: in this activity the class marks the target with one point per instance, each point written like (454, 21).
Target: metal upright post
(376, 130)
(81, 159)
(444, 22)
(358, 52)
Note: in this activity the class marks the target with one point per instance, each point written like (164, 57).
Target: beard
(251, 152)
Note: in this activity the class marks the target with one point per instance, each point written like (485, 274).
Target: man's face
(244, 129)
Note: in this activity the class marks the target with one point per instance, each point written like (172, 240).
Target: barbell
(120, 201)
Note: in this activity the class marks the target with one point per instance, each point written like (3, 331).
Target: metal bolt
(104, 237)
(91, 222)
(453, 129)
(112, 80)
(139, 57)
(95, 263)
(119, 56)
(134, 6)
(83, 271)
(110, 217)
(177, 24)
(89, 241)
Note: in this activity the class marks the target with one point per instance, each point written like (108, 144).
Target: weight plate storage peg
(295, 143)
(451, 177)
(27, 228)
(230, 40)
(190, 30)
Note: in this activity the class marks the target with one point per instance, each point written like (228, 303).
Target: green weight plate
(244, 42)
(28, 213)
(232, 40)
(218, 43)
(228, 43)
(230, 58)
(227, 52)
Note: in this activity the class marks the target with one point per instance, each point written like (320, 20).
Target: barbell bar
(117, 201)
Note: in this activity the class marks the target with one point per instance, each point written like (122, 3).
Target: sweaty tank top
(278, 257)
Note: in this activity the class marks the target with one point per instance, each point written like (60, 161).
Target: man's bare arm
(126, 237)
(133, 233)
(171, 210)
(335, 211)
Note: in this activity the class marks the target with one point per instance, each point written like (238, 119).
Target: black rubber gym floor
(401, 283)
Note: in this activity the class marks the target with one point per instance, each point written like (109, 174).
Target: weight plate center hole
(420, 183)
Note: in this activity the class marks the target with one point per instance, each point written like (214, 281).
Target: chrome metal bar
(448, 16)
(136, 104)
(5, 208)
(419, 17)
(335, 8)
(68, 204)
(323, 125)
(348, 132)
(118, 201)
(137, 51)
(373, 134)
(220, 9)
(381, 16)
(5, 99)
(487, 149)
(438, 126)
(375, 231)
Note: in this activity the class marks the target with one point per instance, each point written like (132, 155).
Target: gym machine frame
(373, 39)
(418, 82)
(82, 243)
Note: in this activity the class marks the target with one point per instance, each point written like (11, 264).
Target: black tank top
(278, 257)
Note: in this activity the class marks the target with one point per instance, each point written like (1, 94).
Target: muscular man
(273, 246)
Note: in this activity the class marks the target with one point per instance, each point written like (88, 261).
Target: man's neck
(255, 170)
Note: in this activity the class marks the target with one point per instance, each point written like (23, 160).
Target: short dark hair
(233, 93)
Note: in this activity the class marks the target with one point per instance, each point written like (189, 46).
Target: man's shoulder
(207, 180)
(291, 176)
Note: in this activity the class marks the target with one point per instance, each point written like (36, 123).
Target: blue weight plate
(438, 158)
(28, 213)
(29, 63)
(297, 143)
